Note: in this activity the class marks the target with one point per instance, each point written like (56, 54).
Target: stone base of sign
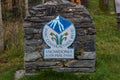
(83, 63)
(84, 44)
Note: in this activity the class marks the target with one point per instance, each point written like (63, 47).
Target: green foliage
(8, 74)
(104, 5)
(52, 75)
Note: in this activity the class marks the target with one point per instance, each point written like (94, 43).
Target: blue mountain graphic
(59, 24)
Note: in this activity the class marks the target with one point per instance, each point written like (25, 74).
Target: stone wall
(84, 43)
(118, 21)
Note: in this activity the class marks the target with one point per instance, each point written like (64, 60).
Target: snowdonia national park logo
(59, 34)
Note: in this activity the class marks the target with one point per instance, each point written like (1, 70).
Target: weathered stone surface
(31, 31)
(82, 63)
(32, 56)
(41, 64)
(33, 42)
(69, 62)
(29, 49)
(89, 46)
(28, 31)
(81, 32)
(84, 43)
(37, 25)
(77, 46)
(91, 31)
(29, 37)
(26, 24)
(37, 36)
(84, 25)
(87, 55)
(85, 70)
(90, 38)
(19, 74)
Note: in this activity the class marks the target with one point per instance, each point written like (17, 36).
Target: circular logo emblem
(59, 33)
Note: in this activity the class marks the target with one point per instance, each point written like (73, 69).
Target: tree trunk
(15, 5)
(104, 5)
(1, 31)
(26, 7)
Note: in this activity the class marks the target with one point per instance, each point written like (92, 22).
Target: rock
(84, 70)
(37, 36)
(29, 49)
(87, 70)
(89, 46)
(91, 31)
(27, 24)
(32, 56)
(87, 55)
(84, 25)
(69, 63)
(29, 31)
(80, 32)
(19, 74)
(41, 64)
(33, 42)
(82, 64)
(37, 25)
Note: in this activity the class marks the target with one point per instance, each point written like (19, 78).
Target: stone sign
(69, 46)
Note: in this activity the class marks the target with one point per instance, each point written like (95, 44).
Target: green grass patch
(8, 73)
(52, 75)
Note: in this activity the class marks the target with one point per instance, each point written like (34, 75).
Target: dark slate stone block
(29, 31)
(37, 36)
(37, 25)
(30, 57)
(84, 25)
(87, 70)
(87, 55)
(27, 24)
(90, 38)
(80, 32)
(84, 70)
(33, 42)
(77, 46)
(32, 12)
(82, 64)
(89, 46)
(28, 37)
(91, 31)
(41, 64)
(29, 49)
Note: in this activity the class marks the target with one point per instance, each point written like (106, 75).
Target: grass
(107, 47)
(51, 75)
(12, 57)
